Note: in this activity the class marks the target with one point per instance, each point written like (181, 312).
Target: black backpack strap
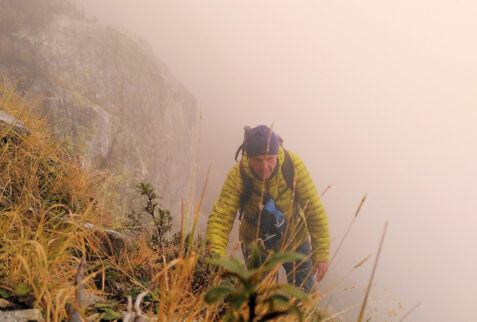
(240, 149)
(288, 170)
(247, 188)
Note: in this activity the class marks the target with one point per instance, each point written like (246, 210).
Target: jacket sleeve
(316, 219)
(222, 217)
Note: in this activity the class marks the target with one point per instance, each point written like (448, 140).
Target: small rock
(21, 315)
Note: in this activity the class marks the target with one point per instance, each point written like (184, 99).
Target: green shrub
(275, 300)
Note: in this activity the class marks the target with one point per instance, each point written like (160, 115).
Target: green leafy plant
(273, 300)
(108, 311)
(162, 218)
(134, 224)
(167, 248)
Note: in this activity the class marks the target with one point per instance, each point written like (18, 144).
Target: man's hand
(320, 270)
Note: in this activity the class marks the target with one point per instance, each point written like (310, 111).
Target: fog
(377, 98)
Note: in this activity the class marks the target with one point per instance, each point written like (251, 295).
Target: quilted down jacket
(302, 207)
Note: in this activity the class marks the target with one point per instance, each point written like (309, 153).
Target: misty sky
(376, 97)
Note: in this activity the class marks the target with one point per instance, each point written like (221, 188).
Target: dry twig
(361, 313)
(75, 315)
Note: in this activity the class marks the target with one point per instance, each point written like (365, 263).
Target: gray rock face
(106, 94)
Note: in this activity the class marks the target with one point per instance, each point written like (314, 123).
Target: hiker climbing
(278, 204)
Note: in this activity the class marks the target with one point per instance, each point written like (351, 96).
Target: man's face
(263, 165)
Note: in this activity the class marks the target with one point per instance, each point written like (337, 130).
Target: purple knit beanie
(256, 141)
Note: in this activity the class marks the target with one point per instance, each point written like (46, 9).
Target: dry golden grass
(46, 196)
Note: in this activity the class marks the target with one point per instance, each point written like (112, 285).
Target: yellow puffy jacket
(307, 218)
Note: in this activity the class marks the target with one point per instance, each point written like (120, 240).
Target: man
(279, 207)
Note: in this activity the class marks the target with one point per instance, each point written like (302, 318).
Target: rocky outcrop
(109, 99)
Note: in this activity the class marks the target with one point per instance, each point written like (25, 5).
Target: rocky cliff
(105, 94)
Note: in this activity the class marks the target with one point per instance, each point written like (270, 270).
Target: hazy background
(377, 97)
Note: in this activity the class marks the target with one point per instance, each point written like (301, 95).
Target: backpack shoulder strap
(247, 187)
(240, 149)
(288, 170)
